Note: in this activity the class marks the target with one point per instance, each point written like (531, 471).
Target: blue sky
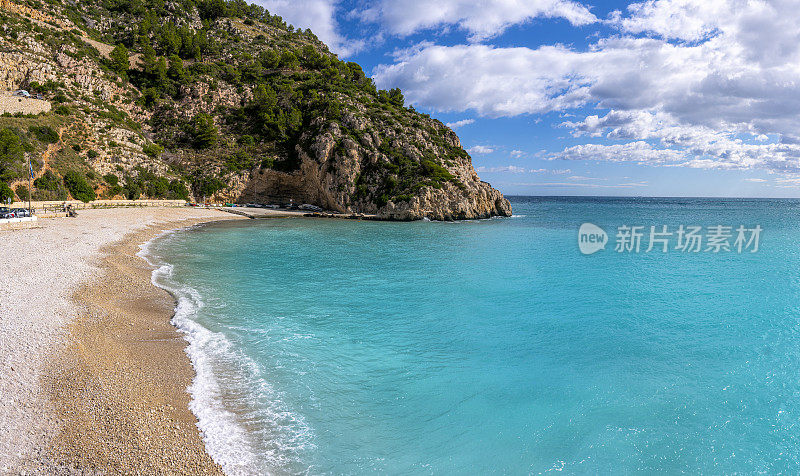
(563, 97)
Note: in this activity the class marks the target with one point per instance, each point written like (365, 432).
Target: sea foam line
(240, 450)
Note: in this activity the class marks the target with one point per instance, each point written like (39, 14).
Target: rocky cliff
(349, 179)
(225, 101)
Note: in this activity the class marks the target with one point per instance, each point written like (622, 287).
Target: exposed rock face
(451, 203)
(434, 179)
(406, 168)
(17, 69)
(33, 14)
(448, 203)
(308, 185)
(271, 186)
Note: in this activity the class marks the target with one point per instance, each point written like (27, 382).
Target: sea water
(493, 346)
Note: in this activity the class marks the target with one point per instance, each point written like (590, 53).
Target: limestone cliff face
(376, 165)
(451, 203)
(312, 185)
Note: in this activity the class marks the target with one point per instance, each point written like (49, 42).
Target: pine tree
(205, 132)
(119, 62)
(176, 70)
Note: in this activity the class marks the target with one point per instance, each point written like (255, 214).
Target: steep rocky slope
(217, 100)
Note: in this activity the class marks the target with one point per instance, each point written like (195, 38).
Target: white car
(22, 93)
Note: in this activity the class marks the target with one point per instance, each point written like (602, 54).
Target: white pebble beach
(42, 268)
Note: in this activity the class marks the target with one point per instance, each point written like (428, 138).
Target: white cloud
(517, 154)
(481, 20)
(682, 20)
(638, 151)
(506, 168)
(462, 122)
(520, 170)
(480, 149)
(492, 81)
(755, 180)
(702, 146)
(583, 185)
(583, 178)
(320, 16)
(698, 83)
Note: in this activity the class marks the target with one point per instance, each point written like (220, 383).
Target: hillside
(218, 100)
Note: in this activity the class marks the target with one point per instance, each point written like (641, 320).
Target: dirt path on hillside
(51, 149)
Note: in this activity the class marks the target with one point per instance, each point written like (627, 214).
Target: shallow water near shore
(345, 347)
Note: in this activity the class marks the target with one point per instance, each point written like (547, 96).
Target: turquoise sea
(493, 346)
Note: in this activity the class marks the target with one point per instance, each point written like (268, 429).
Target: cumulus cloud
(517, 154)
(462, 122)
(481, 20)
(698, 83)
(320, 16)
(639, 151)
(492, 81)
(682, 20)
(696, 146)
(480, 149)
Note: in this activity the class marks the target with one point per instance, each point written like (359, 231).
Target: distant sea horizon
(495, 346)
(666, 197)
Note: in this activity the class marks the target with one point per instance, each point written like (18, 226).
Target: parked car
(22, 93)
(6, 212)
(310, 208)
(21, 212)
(272, 207)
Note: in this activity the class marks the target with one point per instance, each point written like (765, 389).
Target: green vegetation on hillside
(78, 187)
(12, 148)
(291, 79)
(222, 88)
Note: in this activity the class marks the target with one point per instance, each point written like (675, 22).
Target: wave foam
(261, 435)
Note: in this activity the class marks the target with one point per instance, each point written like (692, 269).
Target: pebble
(55, 260)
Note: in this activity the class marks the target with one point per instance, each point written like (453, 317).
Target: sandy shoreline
(94, 376)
